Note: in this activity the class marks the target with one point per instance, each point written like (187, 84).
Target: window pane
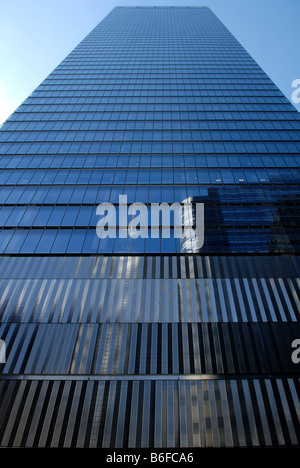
(61, 241)
(31, 241)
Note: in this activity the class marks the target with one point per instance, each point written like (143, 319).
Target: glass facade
(105, 336)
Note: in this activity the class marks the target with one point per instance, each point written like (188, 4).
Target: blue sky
(36, 35)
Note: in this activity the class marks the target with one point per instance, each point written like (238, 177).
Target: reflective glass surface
(159, 104)
(151, 341)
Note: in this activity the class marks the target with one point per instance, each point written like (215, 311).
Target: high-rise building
(153, 341)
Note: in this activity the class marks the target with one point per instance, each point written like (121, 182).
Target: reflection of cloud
(6, 106)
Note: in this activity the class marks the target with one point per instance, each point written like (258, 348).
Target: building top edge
(162, 7)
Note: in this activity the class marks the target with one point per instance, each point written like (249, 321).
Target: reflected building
(191, 242)
(151, 342)
(211, 218)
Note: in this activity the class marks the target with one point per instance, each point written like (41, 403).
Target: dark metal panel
(230, 300)
(73, 414)
(150, 267)
(217, 424)
(85, 415)
(121, 417)
(227, 351)
(147, 399)
(197, 414)
(161, 300)
(214, 312)
(10, 393)
(175, 348)
(112, 348)
(17, 418)
(39, 350)
(117, 353)
(23, 340)
(185, 349)
(149, 348)
(109, 416)
(172, 430)
(132, 349)
(159, 432)
(166, 413)
(293, 289)
(271, 299)
(133, 420)
(44, 310)
(101, 361)
(265, 429)
(95, 425)
(122, 348)
(83, 348)
(144, 349)
(240, 435)
(154, 345)
(286, 300)
(284, 403)
(225, 405)
(276, 422)
(216, 349)
(31, 435)
(250, 414)
(57, 401)
(222, 301)
(206, 349)
(57, 360)
(196, 348)
(291, 387)
(185, 414)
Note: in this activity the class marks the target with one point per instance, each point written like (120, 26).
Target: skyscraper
(151, 341)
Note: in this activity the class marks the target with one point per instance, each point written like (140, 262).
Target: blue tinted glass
(84, 216)
(152, 245)
(70, 216)
(4, 193)
(46, 241)
(61, 241)
(15, 194)
(5, 236)
(90, 195)
(16, 241)
(106, 245)
(40, 194)
(78, 195)
(56, 216)
(76, 241)
(91, 242)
